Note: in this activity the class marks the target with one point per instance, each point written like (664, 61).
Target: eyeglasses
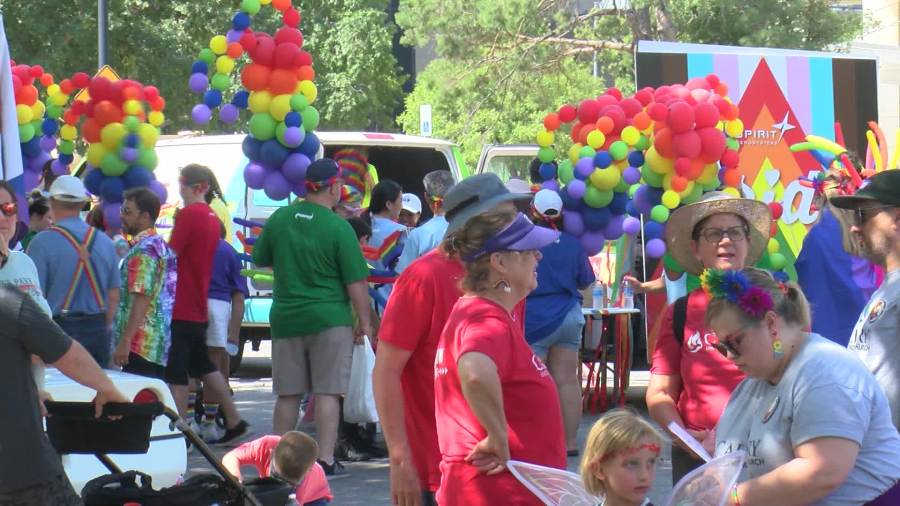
(863, 214)
(731, 343)
(715, 235)
(9, 209)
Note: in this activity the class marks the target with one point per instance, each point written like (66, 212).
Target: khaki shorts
(316, 363)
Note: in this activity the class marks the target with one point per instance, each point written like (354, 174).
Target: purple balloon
(198, 82)
(58, 168)
(37, 163)
(613, 229)
(576, 188)
(300, 189)
(631, 225)
(550, 184)
(642, 199)
(293, 136)
(229, 113)
(30, 180)
(631, 175)
(276, 186)
(160, 190)
(655, 248)
(255, 175)
(233, 36)
(111, 216)
(592, 242)
(128, 155)
(201, 114)
(294, 168)
(572, 223)
(584, 167)
(48, 143)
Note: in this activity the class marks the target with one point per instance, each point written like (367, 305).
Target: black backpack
(679, 317)
(134, 486)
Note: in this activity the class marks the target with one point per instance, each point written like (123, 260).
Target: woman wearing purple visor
(489, 384)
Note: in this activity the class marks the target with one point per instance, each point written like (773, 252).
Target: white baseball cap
(68, 188)
(548, 203)
(412, 203)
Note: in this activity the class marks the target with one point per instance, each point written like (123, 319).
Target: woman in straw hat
(690, 381)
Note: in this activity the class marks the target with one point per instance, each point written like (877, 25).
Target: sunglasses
(731, 343)
(9, 209)
(863, 214)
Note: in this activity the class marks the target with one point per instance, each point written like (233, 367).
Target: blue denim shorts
(567, 335)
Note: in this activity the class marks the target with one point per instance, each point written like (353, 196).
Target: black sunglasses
(731, 343)
(862, 214)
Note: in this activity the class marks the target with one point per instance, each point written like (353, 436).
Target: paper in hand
(689, 440)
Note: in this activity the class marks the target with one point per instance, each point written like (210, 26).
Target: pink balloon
(706, 115)
(712, 144)
(687, 144)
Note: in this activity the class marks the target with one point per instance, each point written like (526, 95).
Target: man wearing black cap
(876, 336)
(319, 273)
(420, 304)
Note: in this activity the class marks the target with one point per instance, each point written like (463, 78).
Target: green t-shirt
(314, 254)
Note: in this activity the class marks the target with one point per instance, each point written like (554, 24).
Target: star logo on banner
(784, 126)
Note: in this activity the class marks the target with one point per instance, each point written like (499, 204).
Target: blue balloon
(49, 126)
(310, 146)
(570, 203)
(636, 159)
(199, 67)
(273, 153)
(66, 159)
(132, 140)
(653, 230)
(654, 195)
(547, 171)
(241, 99)
(781, 276)
(251, 148)
(92, 181)
(595, 218)
(619, 203)
(212, 98)
(240, 21)
(32, 148)
(136, 177)
(632, 210)
(111, 189)
(293, 119)
(602, 159)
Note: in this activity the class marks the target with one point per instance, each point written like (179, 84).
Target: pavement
(369, 482)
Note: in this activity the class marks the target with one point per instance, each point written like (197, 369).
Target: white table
(595, 354)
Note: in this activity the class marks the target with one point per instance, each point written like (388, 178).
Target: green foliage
(156, 41)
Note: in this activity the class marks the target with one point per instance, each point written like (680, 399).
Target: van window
(509, 166)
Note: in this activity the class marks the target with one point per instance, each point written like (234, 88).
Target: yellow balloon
(734, 128)
(595, 139)
(132, 107)
(544, 138)
(148, 134)
(156, 118)
(709, 174)
(658, 163)
(670, 199)
(773, 246)
(53, 89)
(308, 88)
(574, 152)
(68, 132)
(732, 192)
(59, 99)
(259, 101)
(111, 135)
(605, 179)
(280, 106)
(630, 135)
(38, 109)
(95, 154)
(24, 114)
(265, 2)
(224, 64)
(218, 44)
(687, 189)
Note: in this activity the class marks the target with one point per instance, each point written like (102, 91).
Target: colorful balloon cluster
(38, 124)
(640, 156)
(121, 130)
(278, 90)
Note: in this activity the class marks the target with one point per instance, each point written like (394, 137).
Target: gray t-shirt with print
(876, 340)
(825, 392)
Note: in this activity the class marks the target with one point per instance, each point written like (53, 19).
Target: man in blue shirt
(78, 270)
(425, 238)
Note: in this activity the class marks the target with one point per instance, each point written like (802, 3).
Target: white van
(402, 158)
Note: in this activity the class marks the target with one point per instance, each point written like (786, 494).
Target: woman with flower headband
(814, 423)
(689, 381)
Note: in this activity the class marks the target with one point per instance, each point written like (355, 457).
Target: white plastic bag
(359, 404)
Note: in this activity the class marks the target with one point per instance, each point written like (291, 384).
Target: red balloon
(658, 112)
(551, 121)
(288, 35)
(585, 130)
(712, 80)
(776, 209)
(66, 86)
(614, 92)
(576, 131)
(99, 89)
(588, 111)
(662, 140)
(17, 83)
(150, 93)
(681, 117)
(731, 178)
(292, 18)
(730, 158)
(70, 117)
(712, 144)
(285, 54)
(106, 112)
(46, 80)
(305, 59)
(696, 169)
(158, 103)
(282, 82)
(606, 100)
(81, 79)
(610, 139)
(248, 41)
(773, 229)
(255, 77)
(644, 96)
(706, 115)
(631, 106)
(90, 130)
(27, 95)
(687, 144)
(264, 51)
(682, 167)
(235, 50)
(78, 107)
(567, 113)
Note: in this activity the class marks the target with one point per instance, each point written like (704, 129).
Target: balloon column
(278, 90)
(121, 129)
(640, 156)
(38, 124)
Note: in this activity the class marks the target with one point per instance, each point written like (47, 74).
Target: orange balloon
(605, 124)
(66, 86)
(696, 169)
(732, 178)
(235, 50)
(282, 82)
(255, 77)
(105, 112)
(281, 5)
(679, 184)
(46, 80)
(306, 73)
(90, 130)
(641, 120)
(132, 93)
(551, 121)
(585, 130)
(662, 141)
(27, 95)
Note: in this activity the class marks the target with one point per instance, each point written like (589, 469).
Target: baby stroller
(125, 429)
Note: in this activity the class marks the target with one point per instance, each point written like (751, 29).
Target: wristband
(734, 497)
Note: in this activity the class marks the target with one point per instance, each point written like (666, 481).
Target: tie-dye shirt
(150, 269)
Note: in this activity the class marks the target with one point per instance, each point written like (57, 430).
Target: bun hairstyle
(787, 300)
(198, 174)
(385, 191)
(469, 240)
(38, 204)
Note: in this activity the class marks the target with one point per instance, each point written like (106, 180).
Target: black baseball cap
(883, 188)
(322, 170)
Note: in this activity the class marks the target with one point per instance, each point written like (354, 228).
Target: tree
(155, 42)
(503, 65)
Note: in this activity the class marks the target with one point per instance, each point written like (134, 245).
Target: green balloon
(777, 261)
(659, 213)
(251, 7)
(566, 171)
(642, 144)
(694, 196)
(147, 158)
(546, 154)
(732, 144)
(299, 102)
(26, 132)
(220, 82)
(112, 165)
(651, 177)
(712, 185)
(66, 147)
(131, 123)
(54, 111)
(597, 198)
(621, 186)
(262, 126)
(310, 118)
(632, 190)
(586, 152)
(618, 150)
(207, 55)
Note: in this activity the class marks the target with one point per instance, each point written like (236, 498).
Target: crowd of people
(487, 291)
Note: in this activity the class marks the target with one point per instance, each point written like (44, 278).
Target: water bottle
(598, 294)
(627, 295)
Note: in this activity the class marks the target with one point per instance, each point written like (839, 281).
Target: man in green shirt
(319, 273)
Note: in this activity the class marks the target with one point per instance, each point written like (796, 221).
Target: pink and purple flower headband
(736, 287)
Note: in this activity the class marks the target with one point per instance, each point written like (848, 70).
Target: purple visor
(520, 235)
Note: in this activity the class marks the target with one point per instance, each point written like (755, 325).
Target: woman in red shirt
(690, 382)
(494, 398)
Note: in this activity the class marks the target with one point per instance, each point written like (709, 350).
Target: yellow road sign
(107, 72)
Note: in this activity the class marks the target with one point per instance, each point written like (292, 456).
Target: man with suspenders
(78, 270)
